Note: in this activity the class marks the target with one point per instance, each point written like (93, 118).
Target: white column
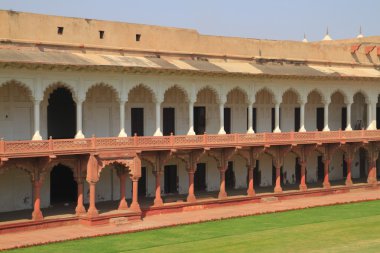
(302, 117)
(122, 119)
(326, 119)
(221, 118)
(158, 119)
(348, 117)
(277, 118)
(191, 118)
(250, 119)
(37, 135)
(79, 134)
(371, 115)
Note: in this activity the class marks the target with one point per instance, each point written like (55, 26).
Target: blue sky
(265, 19)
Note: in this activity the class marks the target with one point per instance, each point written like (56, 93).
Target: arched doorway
(63, 187)
(61, 114)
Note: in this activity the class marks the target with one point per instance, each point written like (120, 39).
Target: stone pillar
(122, 132)
(191, 118)
(80, 209)
(277, 118)
(222, 190)
(302, 117)
(326, 119)
(372, 175)
(221, 118)
(326, 181)
(191, 195)
(250, 190)
(371, 115)
(278, 188)
(135, 203)
(349, 175)
(303, 186)
(158, 119)
(37, 135)
(37, 214)
(158, 200)
(250, 119)
(92, 211)
(79, 134)
(348, 127)
(123, 205)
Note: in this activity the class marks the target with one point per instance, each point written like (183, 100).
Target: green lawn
(343, 228)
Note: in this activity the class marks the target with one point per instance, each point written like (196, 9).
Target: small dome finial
(327, 36)
(360, 35)
(304, 38)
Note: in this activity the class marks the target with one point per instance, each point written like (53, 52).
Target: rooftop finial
(360, 35)
(327, 36)
(304, 38)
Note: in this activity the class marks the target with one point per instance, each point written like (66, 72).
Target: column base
(251, 192)
(278, 189)
(80, 210)
(222, 131)
(158, 133)
(250, 131)
(222, 195)
(277, 130)
(191, 198)
(123, 205)
(326, 129)
(135, 207)
(92, 212)
(158, 202)
(79, 135)
(302, 129)
(348, 128)
(372, 180)
(326, 185)
(303, 187)
(123, 134)
(37, 136)
(349, 182)
(37, 215)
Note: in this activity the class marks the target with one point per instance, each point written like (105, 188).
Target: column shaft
(222, 188)
(37, 214)
(277, 118)
(191, 195)
(191, 119)
(348, 116)
(135, 203)
(349, 176)
(158, 200)
(80, 209)
(79, 134)
(326, 181)
(221, 119)
(158, 119)
(250, 190)
(37, 135)
(92, 211)
(250, 119)
(123, 205)
(278, 188)
(122, 119)
(326, 118)
(302, 118)
(303, 186)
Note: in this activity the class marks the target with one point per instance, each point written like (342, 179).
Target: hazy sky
(265, 19)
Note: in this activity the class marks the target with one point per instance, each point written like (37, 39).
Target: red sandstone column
(191, 196)
(158, 200)
(372, 173)
(123, 205)
(222, 191)
(303, 186)
(250, 190)
(135, 203)
(277, 188)
(349, 176)
(326, 181)
(80, 209)
(37, 214)
(92, 211)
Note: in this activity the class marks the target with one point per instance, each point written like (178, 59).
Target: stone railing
(9, 149)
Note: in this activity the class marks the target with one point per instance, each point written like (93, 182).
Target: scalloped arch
(177, 86)
(211, 88)
(291, 89)
(342, 92)
(21, 84)
(49, 89)
(239, 89)
(320, 93)
(106, 85)
(143, 86)
(265, 89)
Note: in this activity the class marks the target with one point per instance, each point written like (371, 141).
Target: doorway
(200, 177)
(142, 183)
(297, 119)
(170, 177)
(230, 176)
(63, 188)
(137, 121)
(227, 120)
(61, 114)
(344, 118)
(320, 118)
(257, 174)
(321, 170)
(168, 121)
(199, 120)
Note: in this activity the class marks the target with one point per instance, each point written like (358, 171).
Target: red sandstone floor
(42, 236)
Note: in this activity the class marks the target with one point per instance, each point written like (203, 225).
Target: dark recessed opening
(60, 30)
(101, 34)
(138, 37)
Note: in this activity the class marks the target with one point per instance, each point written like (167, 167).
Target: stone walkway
(43, 236)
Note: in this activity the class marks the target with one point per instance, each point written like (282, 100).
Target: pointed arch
(341, 92)
(178, 87)
(48, 90)
(24, 86)
(144, 88)
(317, 92)
(208, 89)
(263, 94)
(290, 92)
(240, 93)
(173, 89)
(115, 92)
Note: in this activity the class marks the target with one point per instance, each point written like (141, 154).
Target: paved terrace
(43, 236)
